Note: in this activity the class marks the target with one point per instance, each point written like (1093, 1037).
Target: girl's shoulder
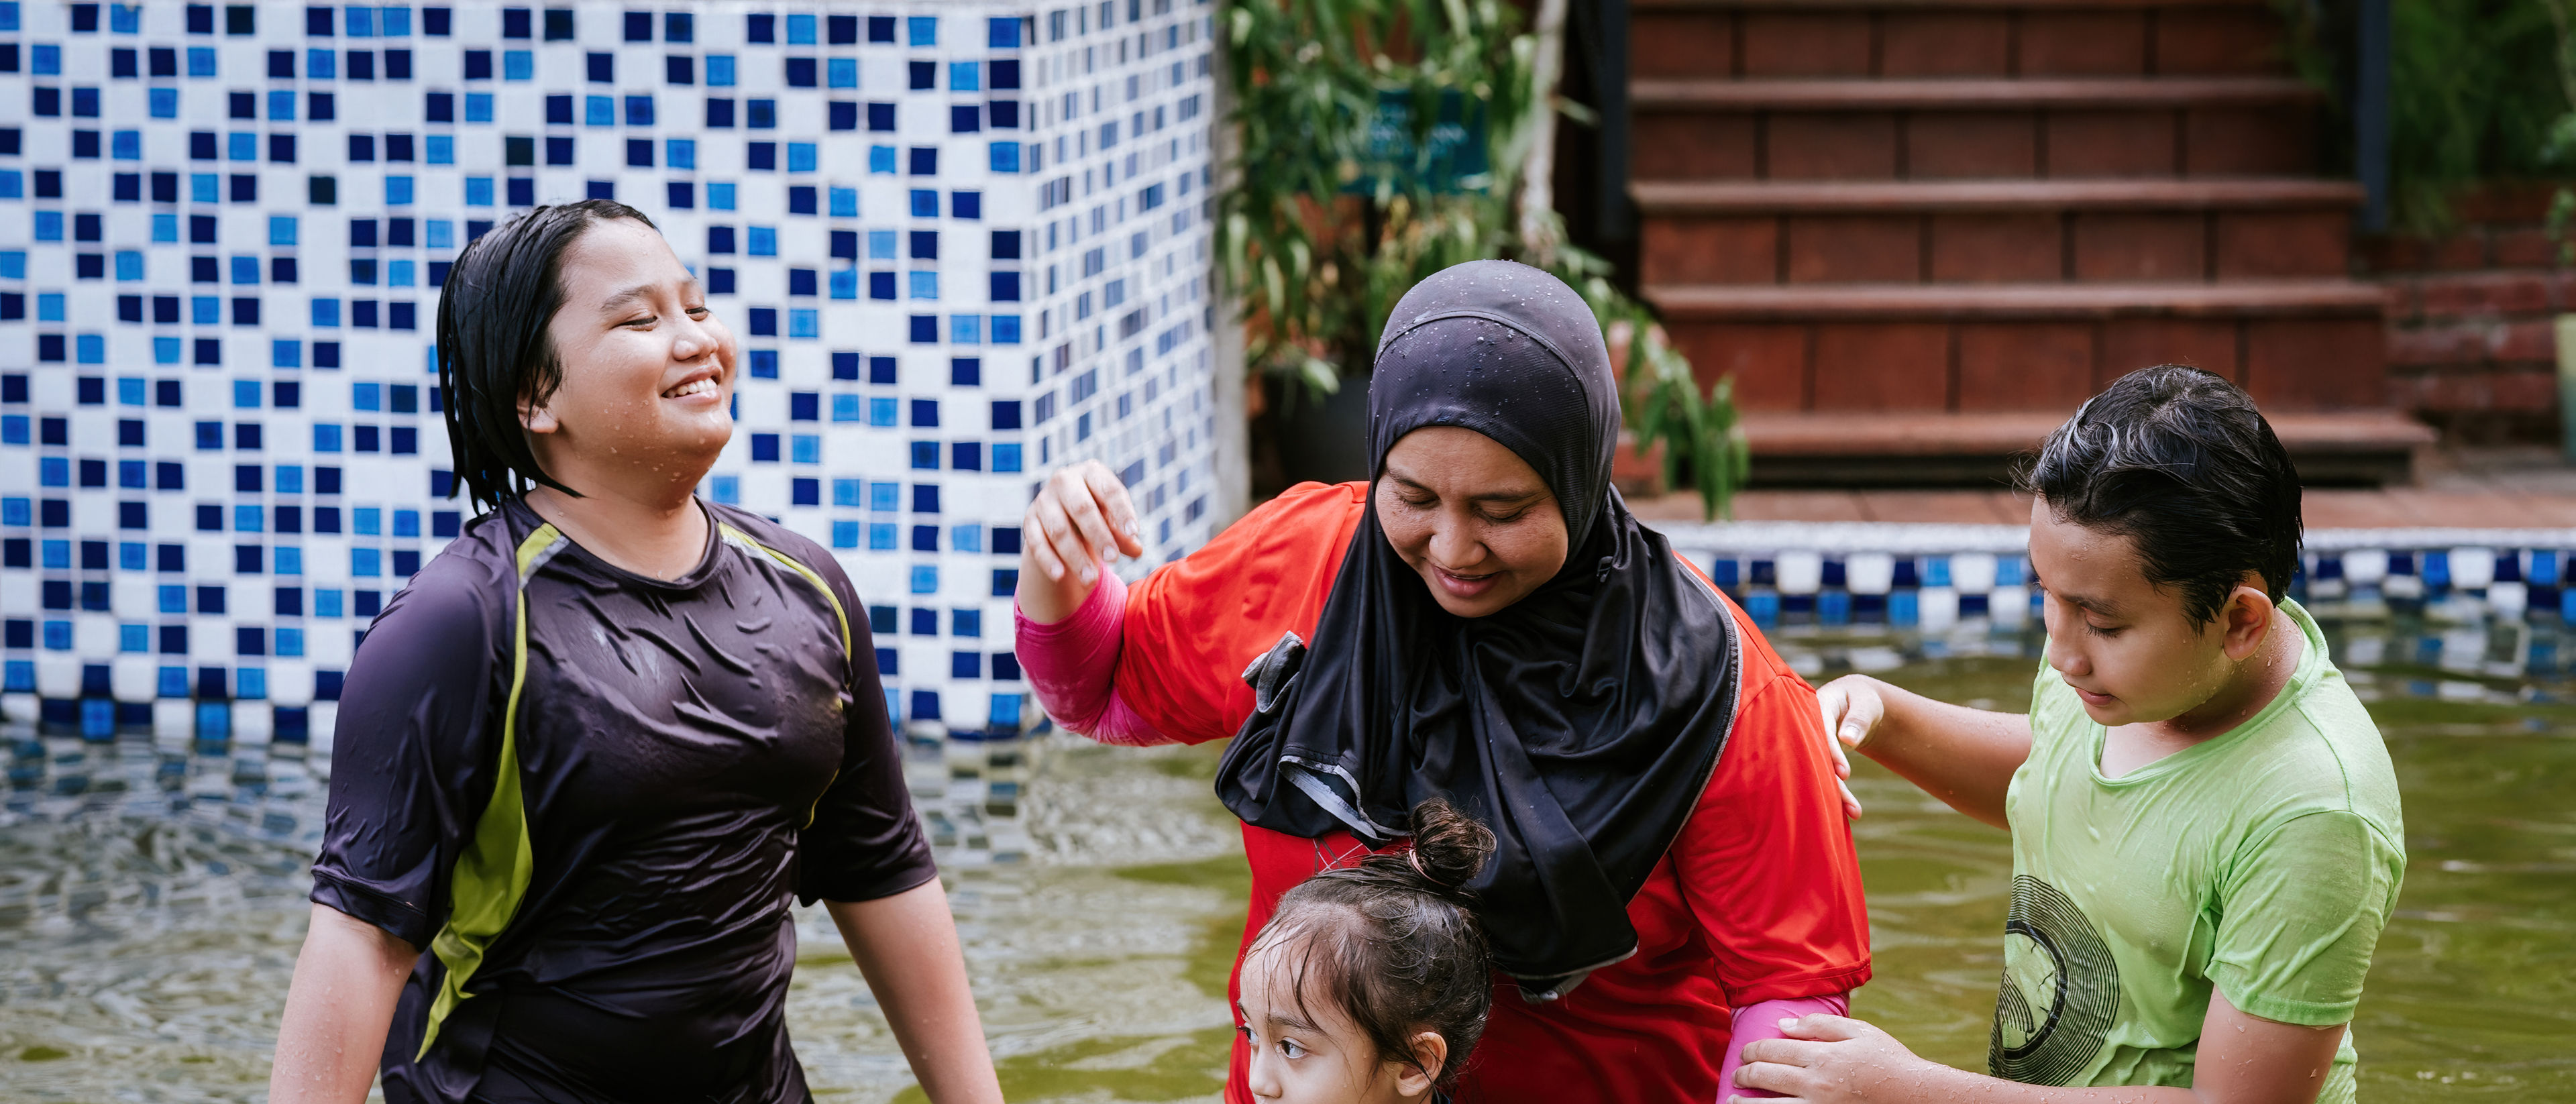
(773, 536)
(770, 543)
(463, 596)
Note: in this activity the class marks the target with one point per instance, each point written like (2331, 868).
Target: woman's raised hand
(1080, 518)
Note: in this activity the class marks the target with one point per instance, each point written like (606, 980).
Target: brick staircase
(1919, 232)
(2472, 343)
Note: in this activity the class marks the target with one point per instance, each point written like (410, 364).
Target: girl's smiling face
(647, 372)
(1306, 1051)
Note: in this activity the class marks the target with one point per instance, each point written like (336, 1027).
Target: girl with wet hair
(595, 751)
(1371, 983)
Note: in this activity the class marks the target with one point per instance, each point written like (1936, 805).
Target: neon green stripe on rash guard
(492, 873)
(842, 615)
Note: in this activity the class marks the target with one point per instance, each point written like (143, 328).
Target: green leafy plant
(2479, 90)
(2559, 149)
(1380, 141)
(2473, 94)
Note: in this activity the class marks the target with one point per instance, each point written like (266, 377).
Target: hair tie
(1413, 855)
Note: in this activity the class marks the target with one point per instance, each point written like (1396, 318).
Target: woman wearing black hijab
(1484, 620)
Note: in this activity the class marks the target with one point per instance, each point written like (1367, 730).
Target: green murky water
(151, 899)
(2473, 989)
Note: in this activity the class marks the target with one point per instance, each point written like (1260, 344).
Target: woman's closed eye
(1491, 515)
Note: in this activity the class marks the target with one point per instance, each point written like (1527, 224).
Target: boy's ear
(2245, 621)
(1430, 1052)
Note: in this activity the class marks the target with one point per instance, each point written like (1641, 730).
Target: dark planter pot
(1325, 441)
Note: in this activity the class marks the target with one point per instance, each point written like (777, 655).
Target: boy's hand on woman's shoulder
(1852, 709)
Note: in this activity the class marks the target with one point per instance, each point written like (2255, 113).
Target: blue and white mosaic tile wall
(962, 243)
(1939, 577)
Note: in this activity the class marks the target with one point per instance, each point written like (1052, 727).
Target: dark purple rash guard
(673, 740)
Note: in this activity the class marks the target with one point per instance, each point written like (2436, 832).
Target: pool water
(152, 896)
(2473, 988)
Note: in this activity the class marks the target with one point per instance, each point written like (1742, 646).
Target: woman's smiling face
(1471, 517)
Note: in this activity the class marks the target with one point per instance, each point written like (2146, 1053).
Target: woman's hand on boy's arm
(2242, 1059)
(1963, 756)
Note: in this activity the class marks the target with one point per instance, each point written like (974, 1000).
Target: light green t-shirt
(2263, 862)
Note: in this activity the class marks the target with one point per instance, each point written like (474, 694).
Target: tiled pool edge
(1920, 538)
(1934, 574)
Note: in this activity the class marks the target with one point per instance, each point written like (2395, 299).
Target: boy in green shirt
(2206, 838)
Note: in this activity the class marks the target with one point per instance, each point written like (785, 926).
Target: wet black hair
(493, 352)
(2180, 462)
(1394, 942)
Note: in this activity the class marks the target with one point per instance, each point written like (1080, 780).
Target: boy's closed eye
(2099, 618)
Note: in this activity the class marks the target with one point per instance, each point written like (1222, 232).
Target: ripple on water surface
(152, 900)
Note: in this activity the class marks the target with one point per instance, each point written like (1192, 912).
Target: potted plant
(1376, 142)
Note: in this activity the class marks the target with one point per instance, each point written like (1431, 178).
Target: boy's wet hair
(1394, 942)
(2178, 461)
(493, 349)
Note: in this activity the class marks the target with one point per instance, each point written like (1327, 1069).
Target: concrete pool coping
(1932, 538)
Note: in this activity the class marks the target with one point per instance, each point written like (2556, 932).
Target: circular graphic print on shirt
(2060, 989)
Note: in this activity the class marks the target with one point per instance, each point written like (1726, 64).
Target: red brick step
(1955, 38)
(1795, 94)
(1944, 348)
(1941, 449)
(1661, 6)
(1661, 197)
(2016, 301)
(1871, 129)
(1989, 231)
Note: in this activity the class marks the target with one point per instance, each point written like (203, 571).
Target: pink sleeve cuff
(1072, 666)
(1761, 1020)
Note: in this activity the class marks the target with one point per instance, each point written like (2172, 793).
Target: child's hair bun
(1449, 847)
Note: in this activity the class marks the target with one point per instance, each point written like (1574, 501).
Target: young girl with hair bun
(1370, 983)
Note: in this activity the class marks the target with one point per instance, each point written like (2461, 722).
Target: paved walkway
(2501, 488)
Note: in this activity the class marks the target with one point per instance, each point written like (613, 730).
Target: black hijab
(1581, 723)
